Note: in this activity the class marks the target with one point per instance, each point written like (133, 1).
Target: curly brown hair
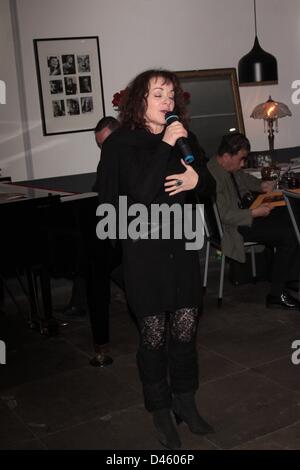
(134, 101)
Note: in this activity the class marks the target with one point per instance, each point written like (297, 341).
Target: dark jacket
(160, 275)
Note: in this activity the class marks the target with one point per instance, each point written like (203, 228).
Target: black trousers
(276, 231)
(102, 260)
(167, 356)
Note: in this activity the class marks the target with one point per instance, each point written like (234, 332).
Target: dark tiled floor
(51, 398)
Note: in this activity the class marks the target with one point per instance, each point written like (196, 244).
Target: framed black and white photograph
(56, 87)
(70, 83)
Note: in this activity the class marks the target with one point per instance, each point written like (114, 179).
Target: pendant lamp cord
(254, 1)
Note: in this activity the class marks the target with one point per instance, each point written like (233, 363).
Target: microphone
(182, 142)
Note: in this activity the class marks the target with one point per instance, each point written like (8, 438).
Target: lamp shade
(270, 110)
(258, 67)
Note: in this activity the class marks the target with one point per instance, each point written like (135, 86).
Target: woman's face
(54, 62)
(160, 100)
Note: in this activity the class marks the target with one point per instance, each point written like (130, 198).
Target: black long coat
(159, 275)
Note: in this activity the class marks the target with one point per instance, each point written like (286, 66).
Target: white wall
(139, 34)
(12, 161)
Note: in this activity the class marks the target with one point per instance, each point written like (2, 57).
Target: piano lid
(15, 192)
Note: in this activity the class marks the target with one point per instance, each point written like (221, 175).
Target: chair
(292, 200)
(214, 233)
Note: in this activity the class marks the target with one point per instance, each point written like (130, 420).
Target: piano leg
(33, 320)
(48, 325)
(1, 290)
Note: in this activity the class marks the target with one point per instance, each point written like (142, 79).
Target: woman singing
(162, 278)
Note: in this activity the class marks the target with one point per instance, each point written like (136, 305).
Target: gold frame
(213, 74)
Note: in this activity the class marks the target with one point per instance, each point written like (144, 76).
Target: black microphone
(182, 142)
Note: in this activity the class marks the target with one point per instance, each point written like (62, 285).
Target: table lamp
(270, 112)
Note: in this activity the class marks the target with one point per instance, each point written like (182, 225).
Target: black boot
(167, 434)
(185, 409)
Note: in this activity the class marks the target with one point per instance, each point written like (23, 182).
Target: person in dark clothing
(103, 129)
(98, 280)
(91, 280)
(142, 162)
(265, 224)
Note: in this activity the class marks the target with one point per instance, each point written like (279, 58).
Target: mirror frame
(229, 73)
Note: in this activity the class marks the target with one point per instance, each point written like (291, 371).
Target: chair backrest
(212, 224)
(293, 204)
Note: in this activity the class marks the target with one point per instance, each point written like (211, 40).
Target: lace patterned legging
(167, 348)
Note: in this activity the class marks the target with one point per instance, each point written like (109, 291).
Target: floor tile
(244, 406)
(47, 405)
(287, 438)
(251, 344)
(12, 431)
(282, 371)
(116, 431)
(39, 359)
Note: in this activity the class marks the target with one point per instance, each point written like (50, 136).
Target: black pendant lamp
(258, 67)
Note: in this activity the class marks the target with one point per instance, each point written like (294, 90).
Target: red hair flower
(186, 96)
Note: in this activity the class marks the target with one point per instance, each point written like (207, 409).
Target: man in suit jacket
(264, 224)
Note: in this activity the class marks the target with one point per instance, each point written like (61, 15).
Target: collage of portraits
(70, 84)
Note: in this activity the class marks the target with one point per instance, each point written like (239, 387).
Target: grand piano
(49, 230)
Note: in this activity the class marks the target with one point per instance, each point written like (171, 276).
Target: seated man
(264, 224)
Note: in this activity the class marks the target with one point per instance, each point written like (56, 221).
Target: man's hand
(262, 211)
(267, 186)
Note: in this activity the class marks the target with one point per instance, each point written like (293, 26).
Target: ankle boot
(184, 408)
(167, 434)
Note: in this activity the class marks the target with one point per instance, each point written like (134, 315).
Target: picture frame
(214, 105)
(70, 83)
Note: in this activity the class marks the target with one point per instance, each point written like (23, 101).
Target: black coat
(160, 275)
